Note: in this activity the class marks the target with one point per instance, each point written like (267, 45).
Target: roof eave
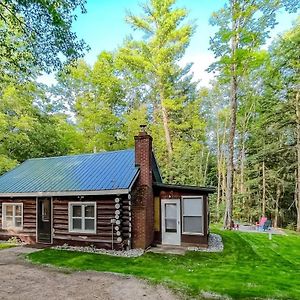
(208, 190)
(66, 193)
(133, 180)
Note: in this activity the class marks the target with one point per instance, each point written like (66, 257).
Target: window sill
(193, 233)
(82, 232)
(17, 229)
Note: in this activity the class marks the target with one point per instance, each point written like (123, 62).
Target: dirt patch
(21, 280)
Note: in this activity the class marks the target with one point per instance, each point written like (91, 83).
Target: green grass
(251, 266)
(6, 245)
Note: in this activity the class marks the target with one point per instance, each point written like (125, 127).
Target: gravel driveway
(22, 280)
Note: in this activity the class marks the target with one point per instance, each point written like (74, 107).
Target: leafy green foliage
(243, 27)
(36, 35)
(133, 85)
(254, 21)
(173, 97)
(97, 100)
(272, 129)
(6, 246)
(26, 131)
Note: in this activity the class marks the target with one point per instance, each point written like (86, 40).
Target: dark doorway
(44, 220)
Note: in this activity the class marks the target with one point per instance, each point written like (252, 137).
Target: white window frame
(82, 204)
(195, 215)
(4, 205)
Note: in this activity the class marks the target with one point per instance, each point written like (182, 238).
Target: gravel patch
(22, 280)
(215, 244)
(91, 249)
(210, 295)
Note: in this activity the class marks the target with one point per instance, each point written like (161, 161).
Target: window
(12, 215)
(192, 215)
(46, 210)
(82, 217)
(171, 217)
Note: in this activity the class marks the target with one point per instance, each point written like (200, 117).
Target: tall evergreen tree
(165, 40)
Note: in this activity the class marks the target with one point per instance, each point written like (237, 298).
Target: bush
(291, 226)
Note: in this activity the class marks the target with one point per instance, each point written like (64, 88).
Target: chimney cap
(143, 127)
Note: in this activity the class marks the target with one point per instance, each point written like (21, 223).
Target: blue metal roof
(87, 172)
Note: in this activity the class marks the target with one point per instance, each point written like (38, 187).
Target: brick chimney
(143, 156)
(143, 203)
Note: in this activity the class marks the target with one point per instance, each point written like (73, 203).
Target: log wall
(28, 234)
(108, 208)
(117, 208)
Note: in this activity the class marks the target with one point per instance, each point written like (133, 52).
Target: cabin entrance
(44, 220)
(171, 228)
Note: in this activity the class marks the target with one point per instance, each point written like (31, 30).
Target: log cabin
(110, 200)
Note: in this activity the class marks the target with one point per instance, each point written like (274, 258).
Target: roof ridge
(82, 154)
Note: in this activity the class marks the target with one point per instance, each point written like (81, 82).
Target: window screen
(171, 217)
(193, 215)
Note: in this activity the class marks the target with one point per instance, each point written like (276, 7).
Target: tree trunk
(277, 206)
(223, 179)
(242, 175)
(233, 110)
(165, 120)
(230, 162)
(201, 167)
(264, 189)
(242, 179)
(206, 168)
(298, 158)
(167, 130)
(219, 167)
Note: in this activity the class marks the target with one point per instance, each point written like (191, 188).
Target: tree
(243, 27)
(37, 34)
(166, 39)
(286, 69)
(25, 130)
(96, 97)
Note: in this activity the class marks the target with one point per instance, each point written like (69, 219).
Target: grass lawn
(251, 266)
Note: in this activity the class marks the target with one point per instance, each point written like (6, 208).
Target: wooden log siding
(126, 221)
(28, 234)
(107, 209)
(118, 220)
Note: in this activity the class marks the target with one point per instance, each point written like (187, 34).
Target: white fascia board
(66, 193)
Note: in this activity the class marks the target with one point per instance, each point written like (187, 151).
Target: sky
(103, 27)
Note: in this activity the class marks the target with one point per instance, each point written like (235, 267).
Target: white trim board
(67, 193)
(200, 197)
(14, 204)
(82, 205)
(171, 238)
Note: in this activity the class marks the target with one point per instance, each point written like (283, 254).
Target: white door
(170, 213)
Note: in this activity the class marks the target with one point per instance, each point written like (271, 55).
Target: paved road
(22, 280)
